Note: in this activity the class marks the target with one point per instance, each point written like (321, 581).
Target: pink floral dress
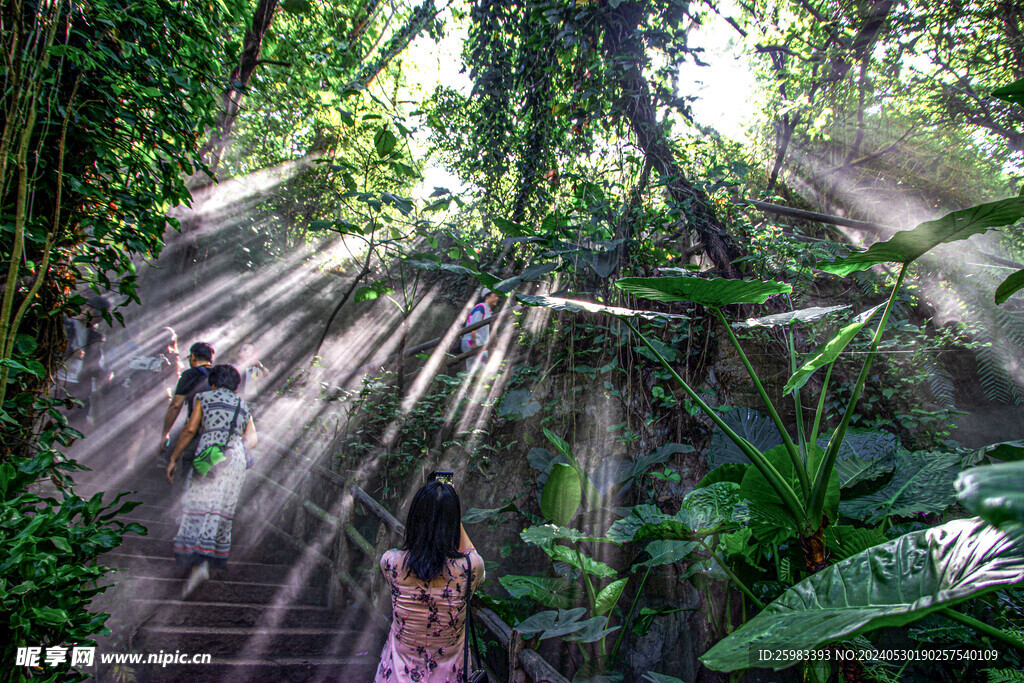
(428, 622)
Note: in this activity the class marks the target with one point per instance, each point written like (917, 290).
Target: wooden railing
(524, 664)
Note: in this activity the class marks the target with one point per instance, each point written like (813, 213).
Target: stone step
(355, 669)
(231, 614)
(261, 642)
(152, 546)
(164, 567)
(148, 512)
(241, 592)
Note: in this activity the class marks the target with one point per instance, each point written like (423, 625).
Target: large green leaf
(804, 315)
(562, 494)
(550, 624)
(609, 596)
(846, 541)
(551, 592)
(575, 306)
(648, 522)
(1004, 450)
(921, 482)
(1012, 93)
(518, 404)
(757, 428)
(716, 292)
(908, 245)
(563, 553)
(866, 454)
(888, 585)
(828, 352)
(712, 506)
(994, 493)
(1010, 286)
(666, 552)
(544, 535)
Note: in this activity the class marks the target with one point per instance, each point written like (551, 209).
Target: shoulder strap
(469, 609)
(205, 370)
(231, 431)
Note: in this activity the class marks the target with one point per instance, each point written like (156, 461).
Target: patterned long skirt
(208, 508)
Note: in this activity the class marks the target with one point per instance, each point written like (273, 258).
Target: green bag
(213, 455)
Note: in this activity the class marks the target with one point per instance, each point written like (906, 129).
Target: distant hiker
(478, 337)
(253, 372)
(220, 417)
(430, 591)
(152, 366)
(84, 372)
(192, 381)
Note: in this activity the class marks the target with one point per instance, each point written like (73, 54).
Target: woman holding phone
(430, 587)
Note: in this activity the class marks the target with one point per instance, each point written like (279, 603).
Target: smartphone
(443, 476)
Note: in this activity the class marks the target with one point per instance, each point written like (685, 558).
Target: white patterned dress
(208, 505)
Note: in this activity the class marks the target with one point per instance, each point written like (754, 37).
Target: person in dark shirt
(192, 381)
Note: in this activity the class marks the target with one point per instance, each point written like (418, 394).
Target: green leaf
(666, 552)
(728, 472)
(921, 482)
(716, 292)
(1010, 286)
(609, 596)
(385, 142)
(846, 541)
(556, 592)
(652, 676)
(1004, 450)
(546, 534)
(827, 353)
(865, 455)
(563, 553)
(477, 515)
(888, 585)
(518, 404)
(908, 245)
(562, 494)
(711, 507)
(757, 428)
(994, 492)
(50, 615)
(1012, 93)
(550, 624)
(648, 522)
(573, 306)
(592, 631)
(512, 229)
(296, 6)
(804, 315)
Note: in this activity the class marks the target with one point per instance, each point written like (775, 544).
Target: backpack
(198, 388)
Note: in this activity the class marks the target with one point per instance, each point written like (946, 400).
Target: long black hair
(432, 530)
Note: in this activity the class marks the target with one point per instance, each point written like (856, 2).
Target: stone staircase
(258, 620)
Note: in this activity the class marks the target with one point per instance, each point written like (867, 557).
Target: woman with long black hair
(429, 580)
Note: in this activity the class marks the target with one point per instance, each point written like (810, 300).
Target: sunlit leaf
(845, 541)
(574, 306)
(609, 596)
(562, 494)
(804, 315)
(385, 142)
(547, 534)
(827, 353)
(888, 585)
(580, 560)
(908, 245)
(712, 506)
(1010, 286)
(518, 404)
(716, 292)
(646, 522)
(994, 493)
(866, 454)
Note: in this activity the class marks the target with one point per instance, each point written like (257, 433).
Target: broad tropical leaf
(666, 552)
(563, 553)
(888, 585)
(716, 292)
(728, 472)
(908, 245)
(592, 630)
(550, 624)
(1004, 450)
(562, 494)
(518, 404)
(1010, 286)
(804, 315)
(755, 427)
(648, 522)
(846, 541)
(994, 493)
(866, 454)
(921, 482)
(609, 596)
(575, 306)
(557, 593)
(827, 353)
(477, 515)
(546, 534)
(1012, 93)
(712, 506)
